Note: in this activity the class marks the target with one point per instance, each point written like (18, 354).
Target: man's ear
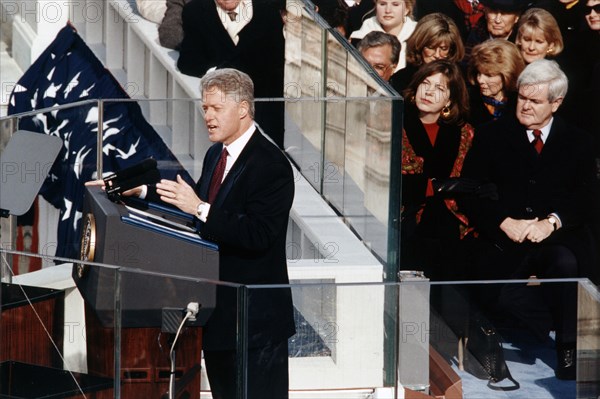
(556, 103)
(244, 108)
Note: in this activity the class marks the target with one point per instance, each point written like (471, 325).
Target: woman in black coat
(435, 140)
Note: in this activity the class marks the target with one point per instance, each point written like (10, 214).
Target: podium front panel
(115, 242)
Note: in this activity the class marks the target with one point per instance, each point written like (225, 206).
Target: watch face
(88, 244)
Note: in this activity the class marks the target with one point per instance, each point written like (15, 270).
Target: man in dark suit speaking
(545, 175)
(242, 202)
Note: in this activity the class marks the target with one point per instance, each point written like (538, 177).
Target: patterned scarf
(414, 164)
(496, 107)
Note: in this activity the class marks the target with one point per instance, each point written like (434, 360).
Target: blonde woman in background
(538, 35)
(393, 17)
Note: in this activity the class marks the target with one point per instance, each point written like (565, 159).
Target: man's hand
(96, 183)
(180, 194)
(539, 231)
(516, 229)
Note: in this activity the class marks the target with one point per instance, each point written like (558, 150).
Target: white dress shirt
(233, 153)
(243, 11)
(545, 132)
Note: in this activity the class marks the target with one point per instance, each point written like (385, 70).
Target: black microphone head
(131, 171)
(115, 182)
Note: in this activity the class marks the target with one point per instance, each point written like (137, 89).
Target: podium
(156, 240)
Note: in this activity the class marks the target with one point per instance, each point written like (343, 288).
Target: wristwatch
(552, 220)
(201, 208)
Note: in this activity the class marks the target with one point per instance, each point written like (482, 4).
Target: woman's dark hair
(459, 98)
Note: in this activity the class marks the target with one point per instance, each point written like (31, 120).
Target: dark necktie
(217, 177)
(537, 142)
(232, 15)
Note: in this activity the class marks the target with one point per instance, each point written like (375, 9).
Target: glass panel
(50, 343)
(352, 335)
(303, 86)
(340, 343)
(333, 168)
(163, 319)
(342, 146)
(588, 341)
(356, 176)
(39, 230)
(505, 338)
(362, 195)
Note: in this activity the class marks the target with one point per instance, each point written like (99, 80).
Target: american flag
(66, 72)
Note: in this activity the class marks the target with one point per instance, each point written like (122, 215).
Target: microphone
(144, 172)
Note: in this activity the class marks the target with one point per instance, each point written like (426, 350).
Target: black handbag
(484, 343)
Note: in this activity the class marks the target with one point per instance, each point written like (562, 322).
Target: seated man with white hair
(544, 172)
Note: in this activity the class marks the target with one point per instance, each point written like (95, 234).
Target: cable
(187, 316)
(191, 312)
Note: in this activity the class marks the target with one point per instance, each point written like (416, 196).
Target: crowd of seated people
(482, 90)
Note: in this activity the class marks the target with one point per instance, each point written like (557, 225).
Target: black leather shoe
(566, 361)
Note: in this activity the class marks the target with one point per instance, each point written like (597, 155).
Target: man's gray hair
(545, 71)
(232, 83)
(377, 39)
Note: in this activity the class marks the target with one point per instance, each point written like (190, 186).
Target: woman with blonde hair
(393, 17)
(435, 37)
(493, 70)
(538, 35)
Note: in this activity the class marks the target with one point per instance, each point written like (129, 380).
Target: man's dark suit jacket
(248, 219)
(259, 52)
(561, 180)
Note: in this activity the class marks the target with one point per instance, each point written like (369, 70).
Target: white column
(35, 25)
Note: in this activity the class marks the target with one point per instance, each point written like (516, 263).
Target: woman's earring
(445, 112)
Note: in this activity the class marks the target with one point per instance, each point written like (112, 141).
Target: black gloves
(462, 185)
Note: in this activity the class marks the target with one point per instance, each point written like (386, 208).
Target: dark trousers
(541, 308)
(559, 300)
(267, 372)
